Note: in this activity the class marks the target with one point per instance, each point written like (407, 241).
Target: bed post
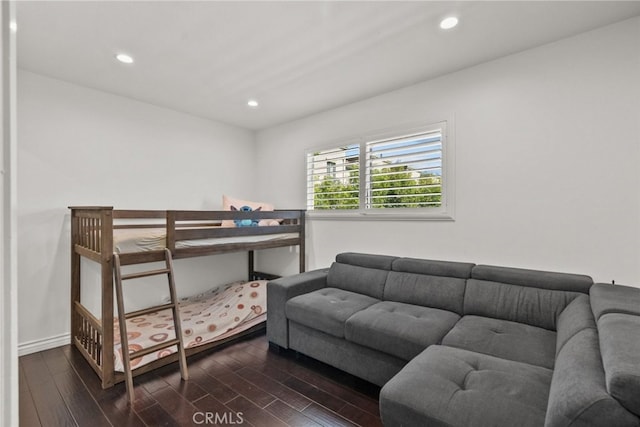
(303, 237)
(106, 257)
(75, 274)
(171, 231)
(252, 271)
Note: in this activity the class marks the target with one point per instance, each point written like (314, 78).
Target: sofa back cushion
(531, 306)
(527, 296)
(578, 395)
(436, 284)
(461, 270)
(446, 293)
(534, 278)
(381, 262)
(361, 280)
(620, 348)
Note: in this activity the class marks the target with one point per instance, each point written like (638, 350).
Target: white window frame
(445, 212)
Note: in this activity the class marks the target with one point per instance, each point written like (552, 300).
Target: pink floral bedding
(211, 316)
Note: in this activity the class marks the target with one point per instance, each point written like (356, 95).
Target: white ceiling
(296, 58)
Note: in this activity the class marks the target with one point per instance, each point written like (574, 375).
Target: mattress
(128, 240)
(207, 317)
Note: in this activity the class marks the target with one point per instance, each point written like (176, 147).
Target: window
(336, 185)
(399, 173)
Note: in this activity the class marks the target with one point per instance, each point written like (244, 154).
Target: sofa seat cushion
(504, 339)
(327, 309)
(398, 329)
(446, 386)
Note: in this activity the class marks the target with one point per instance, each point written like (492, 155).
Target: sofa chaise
(459, 344)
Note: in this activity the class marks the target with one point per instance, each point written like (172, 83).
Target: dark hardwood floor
(243, 383)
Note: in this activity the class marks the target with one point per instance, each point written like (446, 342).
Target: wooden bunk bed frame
(92, 229)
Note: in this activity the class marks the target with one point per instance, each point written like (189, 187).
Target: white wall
(9, 389)
(548, 148)
(79, 146)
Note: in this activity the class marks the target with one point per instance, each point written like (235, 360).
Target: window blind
(402, 171)
(333, 178)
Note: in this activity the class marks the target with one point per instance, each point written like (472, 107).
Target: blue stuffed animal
(245, 222)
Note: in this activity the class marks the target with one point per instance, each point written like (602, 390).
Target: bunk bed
(140, 236)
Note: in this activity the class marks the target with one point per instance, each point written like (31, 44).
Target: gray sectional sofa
(458, 344)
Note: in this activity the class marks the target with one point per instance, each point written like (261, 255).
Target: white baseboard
(43, 344)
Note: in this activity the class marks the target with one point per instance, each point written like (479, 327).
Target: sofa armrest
(281, 290)
(620, 348)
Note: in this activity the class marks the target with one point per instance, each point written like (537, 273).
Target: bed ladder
(123, 316)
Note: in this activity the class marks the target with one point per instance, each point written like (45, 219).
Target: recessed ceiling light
(252, 103)
(124, 58)
(13, 25)
(448, 23)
